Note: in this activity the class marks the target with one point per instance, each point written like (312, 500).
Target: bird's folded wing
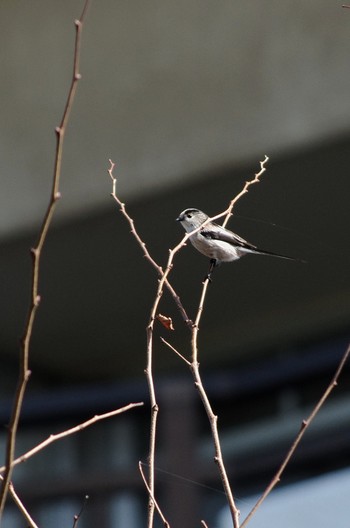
(227, 236)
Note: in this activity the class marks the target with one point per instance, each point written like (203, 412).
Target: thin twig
(194, 342)
(144, 247)
(304, 425)
(154, 407)
(161, 515)
(36, 256)
(246, 188)
(54, 437)
(78, 515)
(176, 351)
(20, 505)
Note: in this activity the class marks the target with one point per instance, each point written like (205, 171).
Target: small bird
(217, 242)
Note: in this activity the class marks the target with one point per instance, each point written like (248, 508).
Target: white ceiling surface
(168, 89)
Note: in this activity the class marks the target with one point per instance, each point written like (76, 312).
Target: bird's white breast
(215, 249)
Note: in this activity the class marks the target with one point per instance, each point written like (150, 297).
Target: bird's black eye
(189, 215)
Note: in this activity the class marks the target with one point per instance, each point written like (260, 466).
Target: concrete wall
(169, 89)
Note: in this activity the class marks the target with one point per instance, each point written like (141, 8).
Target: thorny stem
(24, 372)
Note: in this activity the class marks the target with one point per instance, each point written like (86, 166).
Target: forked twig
(143, 246)
(54, 437)
(194, 329)
(304, 425)
(24, 373)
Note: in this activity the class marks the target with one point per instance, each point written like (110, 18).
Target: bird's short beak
(178, 219)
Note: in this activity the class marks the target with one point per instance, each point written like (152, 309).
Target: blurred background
(186, 97)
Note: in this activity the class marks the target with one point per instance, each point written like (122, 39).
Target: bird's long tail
(271, 254)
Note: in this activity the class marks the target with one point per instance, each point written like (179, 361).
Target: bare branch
(54, 437)
(304, 425)
(36, 255)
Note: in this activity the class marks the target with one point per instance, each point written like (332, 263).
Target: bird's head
(191, 219)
